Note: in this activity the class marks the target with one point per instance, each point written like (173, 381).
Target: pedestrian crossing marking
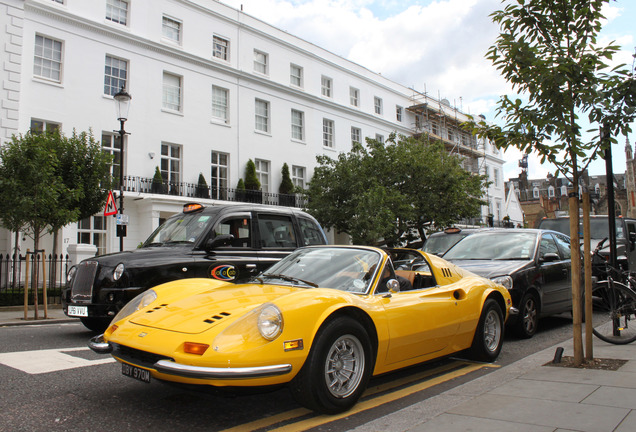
(49, 360)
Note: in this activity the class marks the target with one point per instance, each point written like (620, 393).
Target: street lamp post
(122, 100)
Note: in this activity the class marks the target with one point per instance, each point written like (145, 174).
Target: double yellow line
(390, 391)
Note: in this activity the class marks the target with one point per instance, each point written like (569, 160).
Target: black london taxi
(224, 242)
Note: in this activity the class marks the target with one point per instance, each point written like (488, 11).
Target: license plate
(81, 311)
(135, 372)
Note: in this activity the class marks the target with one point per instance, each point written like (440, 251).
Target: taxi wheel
(98, 325)
(337, 369)
(488, 337)
(528, 316)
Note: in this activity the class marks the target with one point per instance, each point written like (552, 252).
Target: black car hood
(142, 256)
(492, 268)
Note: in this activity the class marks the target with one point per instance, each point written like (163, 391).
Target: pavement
(529, 395)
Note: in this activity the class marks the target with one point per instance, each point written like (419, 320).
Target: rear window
(599, 227)
(439, 244)
(312, 234)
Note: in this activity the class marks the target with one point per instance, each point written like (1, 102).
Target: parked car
(599, 230)
(439, 242)
(534, 265)
(322, 320)
(222, 242)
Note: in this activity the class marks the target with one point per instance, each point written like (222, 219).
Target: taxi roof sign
(192, 207)
(452, 230)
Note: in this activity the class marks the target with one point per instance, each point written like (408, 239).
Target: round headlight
(139, 302)
(71, 273)
(270, 322)
(506, 281)
(119, 270)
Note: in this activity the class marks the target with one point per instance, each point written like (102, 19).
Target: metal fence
(32, 270)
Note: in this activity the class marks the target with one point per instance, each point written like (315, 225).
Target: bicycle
(617, 299)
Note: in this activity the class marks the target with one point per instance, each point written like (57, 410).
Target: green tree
(251, 179)
(386, 191)
(548, 51)
(286, 185)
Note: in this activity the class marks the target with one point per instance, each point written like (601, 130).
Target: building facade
(212, 88)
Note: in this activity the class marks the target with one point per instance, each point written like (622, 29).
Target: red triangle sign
(111, 208)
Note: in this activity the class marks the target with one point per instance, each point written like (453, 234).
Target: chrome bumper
(172, 368)
(98, 345)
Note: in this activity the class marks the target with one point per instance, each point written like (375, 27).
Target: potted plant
(240, 191)
(286, 189)
(157, 182)
(202, 190)
(253, 191)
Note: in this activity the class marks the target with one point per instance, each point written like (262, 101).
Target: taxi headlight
(71, 274)
(119, 270)
(506, 281)
(138, 303)
(270, 322)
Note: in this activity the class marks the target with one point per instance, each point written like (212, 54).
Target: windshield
(184, 228)
(438, 244)
(495, 246)
(599, 227)
(344, 269)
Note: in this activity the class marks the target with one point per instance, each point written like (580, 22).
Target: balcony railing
(193, 190)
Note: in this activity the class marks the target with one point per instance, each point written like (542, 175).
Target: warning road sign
(111, 208)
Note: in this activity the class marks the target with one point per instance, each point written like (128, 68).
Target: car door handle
(250, 266)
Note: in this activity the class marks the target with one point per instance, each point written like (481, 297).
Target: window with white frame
(564, 190)
(220, 48)
(220, 103)
(435, 128)
(117, 11)
(449, 134)
(262, 172)
(327, 133)
(39, 126)
(261, 115)
(297, 125)
(261, 62)
(356, 135)
(495, 175)
(326, 84)
(597, 188)
(171, 165)
(295, 75)
(47, 58)
(111, 144)
(551, 191)
(219, 169)
(377, 105)
(354, 97)
(92, 230)
(115, 75)
(171, 29)
(535, 192)
(298, 176)
(172, 91)
(398, 113)
(379, 138)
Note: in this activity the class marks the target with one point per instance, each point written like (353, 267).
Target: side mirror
(218, 241)
(393, 286)
(550, 257)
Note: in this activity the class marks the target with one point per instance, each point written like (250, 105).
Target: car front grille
(82, 288)
(137, 357)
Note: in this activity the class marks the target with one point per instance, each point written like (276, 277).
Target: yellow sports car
(323, 321)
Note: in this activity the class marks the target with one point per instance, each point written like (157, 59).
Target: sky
(433, 46)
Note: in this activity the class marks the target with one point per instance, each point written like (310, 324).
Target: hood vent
(216, 318)
(157, 308)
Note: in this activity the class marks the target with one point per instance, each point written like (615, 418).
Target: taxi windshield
(183, 229)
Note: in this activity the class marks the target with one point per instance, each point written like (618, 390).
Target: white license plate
(135, 372)
(80, 311)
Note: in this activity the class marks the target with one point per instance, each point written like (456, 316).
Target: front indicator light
(195, 348)
(293, 345)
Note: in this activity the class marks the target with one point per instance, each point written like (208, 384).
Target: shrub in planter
(286, 189)
(202, 190)
(157, 182)
(253, 191)
(240, 191)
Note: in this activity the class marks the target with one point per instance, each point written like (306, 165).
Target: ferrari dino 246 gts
(323, 321)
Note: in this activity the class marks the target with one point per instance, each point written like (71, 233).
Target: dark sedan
(534, 265)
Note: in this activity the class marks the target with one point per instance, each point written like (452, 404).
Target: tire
(98, 325)
(618, 303)
(337, 369)
(489, 334)
(528, 321)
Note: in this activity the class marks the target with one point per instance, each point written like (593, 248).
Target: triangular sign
(111, 208)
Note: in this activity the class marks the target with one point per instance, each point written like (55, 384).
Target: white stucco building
(211, 88)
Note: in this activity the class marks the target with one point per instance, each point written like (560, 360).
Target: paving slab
(565, 415)
(557, 391)
(459, 423)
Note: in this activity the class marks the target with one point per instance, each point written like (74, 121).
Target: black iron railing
(32, 270)
(193, 190)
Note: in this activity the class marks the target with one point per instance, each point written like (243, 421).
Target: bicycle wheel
(618, 303)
